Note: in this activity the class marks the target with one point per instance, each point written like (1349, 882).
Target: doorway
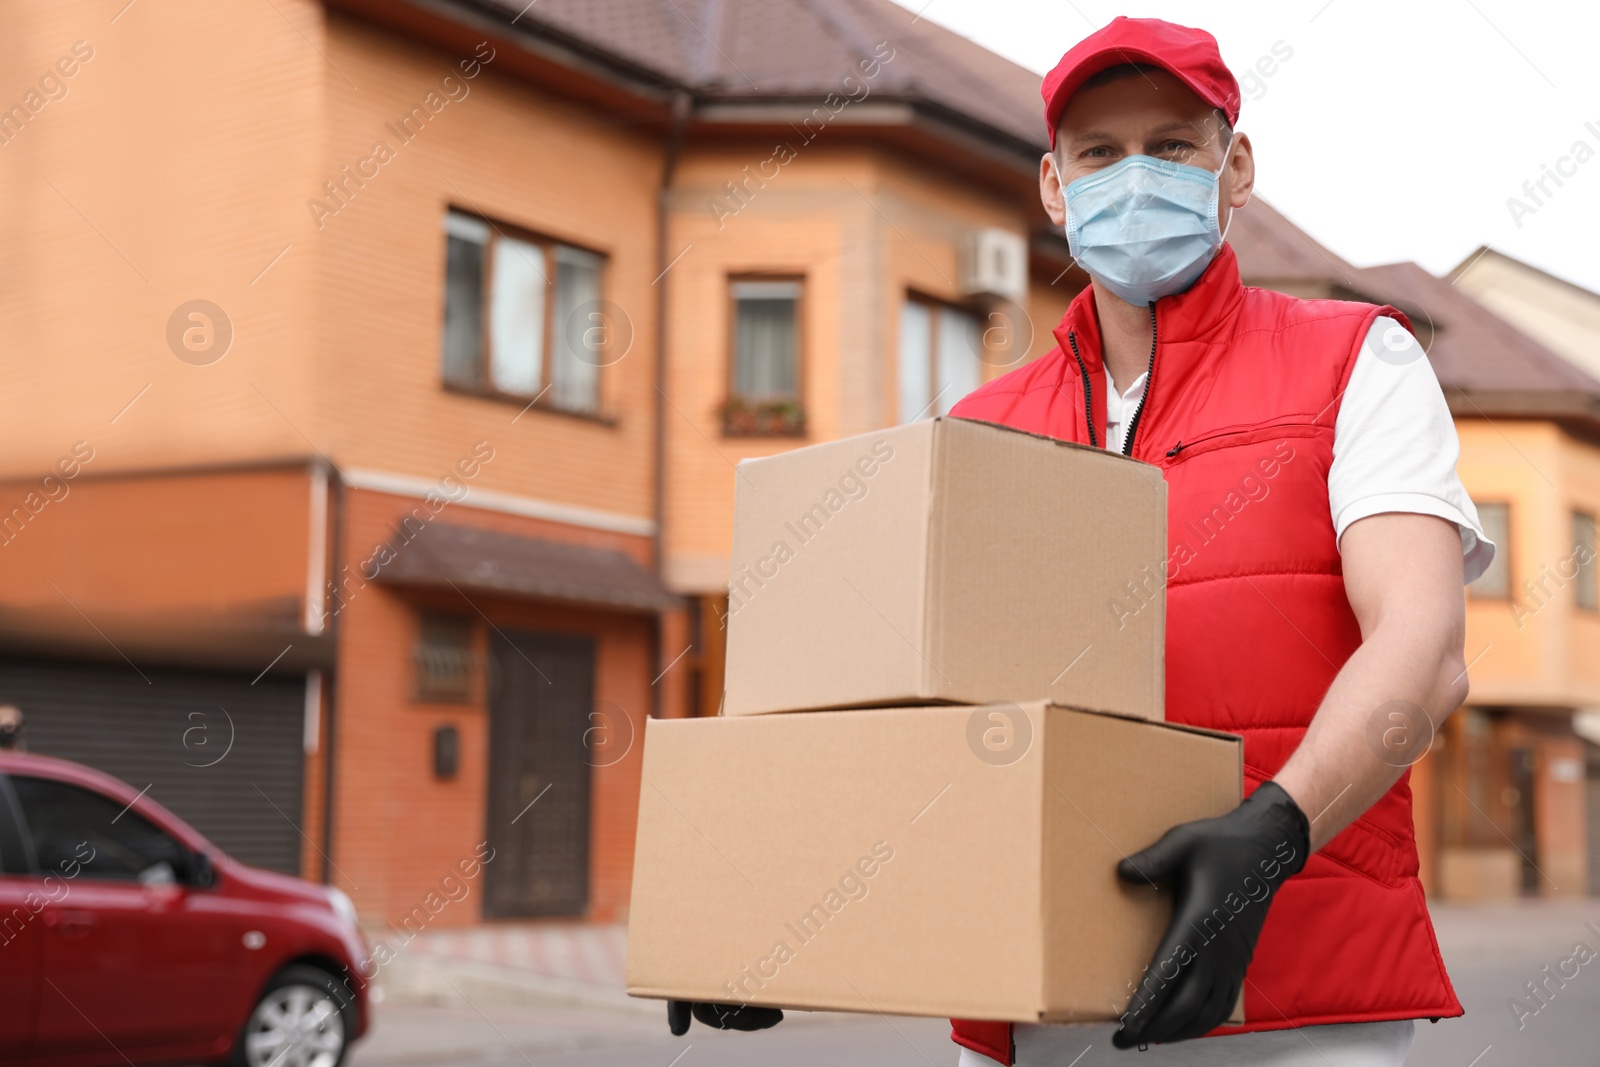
(541, 695)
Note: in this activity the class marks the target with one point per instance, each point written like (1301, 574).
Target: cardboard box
(947, 560)
(944, 861)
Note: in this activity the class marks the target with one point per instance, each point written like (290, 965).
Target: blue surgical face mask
(1145, 228)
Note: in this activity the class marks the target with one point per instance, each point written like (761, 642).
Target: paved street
(1491, 951)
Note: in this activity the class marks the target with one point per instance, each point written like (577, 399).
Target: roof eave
(537, 49)
(913, 115)
(1574, 411)
(543, 48)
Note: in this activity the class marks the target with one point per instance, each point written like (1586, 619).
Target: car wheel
(304, 1018)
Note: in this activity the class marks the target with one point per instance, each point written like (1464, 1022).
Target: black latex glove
(1224, 873)
(720, 1016)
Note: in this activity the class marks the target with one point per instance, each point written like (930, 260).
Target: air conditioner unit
(994, 262)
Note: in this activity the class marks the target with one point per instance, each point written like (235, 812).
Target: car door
(20, 906)
(130, 958)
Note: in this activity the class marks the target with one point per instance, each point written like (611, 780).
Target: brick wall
(520, 156)
(398, 830)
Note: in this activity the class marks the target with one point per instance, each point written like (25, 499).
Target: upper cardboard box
(947, 560)
(919, 861)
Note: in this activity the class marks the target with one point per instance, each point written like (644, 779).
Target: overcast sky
(1395, 130)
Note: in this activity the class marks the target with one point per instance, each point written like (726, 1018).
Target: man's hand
(720, 1016)
(1224, 873)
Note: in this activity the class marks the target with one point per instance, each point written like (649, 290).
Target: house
(1548, 590)
(371, 483)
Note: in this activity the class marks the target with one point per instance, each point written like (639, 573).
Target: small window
(764, 386)
(1584, 592)
(516, 315)
(940, 358)
(1495, 583)
(442, 659)
(77, 830)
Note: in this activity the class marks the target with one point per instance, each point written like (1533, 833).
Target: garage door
(223, 753)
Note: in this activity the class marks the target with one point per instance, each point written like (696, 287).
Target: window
(1583, 556)
(517, 316)
(764, 391)
(77, 830)
(940, 358)
(443, 659)
(1495, 583)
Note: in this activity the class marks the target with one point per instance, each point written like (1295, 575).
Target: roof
(1473, 348)
(1556, 312)
(768, 50)
(448, 556)
(1474, 352)
(1271, 249)
(1486, 252)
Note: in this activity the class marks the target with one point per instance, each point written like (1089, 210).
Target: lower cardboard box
(941, 861)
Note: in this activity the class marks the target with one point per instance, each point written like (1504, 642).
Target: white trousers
(1343, 1045)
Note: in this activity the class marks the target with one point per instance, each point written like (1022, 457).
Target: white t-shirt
(1341, 1045)
(1394, 442)
(1394, 449)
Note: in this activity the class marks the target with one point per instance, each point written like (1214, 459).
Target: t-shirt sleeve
(1395, 446)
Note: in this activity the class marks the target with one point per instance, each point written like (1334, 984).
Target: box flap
(1164, 723)
(1079, 550)
(827, 594)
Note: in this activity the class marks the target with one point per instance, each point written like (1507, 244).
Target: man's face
(1150, 114)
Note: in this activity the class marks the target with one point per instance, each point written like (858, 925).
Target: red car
(127, 938)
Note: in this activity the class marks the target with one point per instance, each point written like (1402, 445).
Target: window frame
(935, 306)
(548, 245)
(431, 622)
(1502, 551)
(732, 398)
(1592, 567)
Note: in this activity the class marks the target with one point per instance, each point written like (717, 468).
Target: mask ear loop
(1068, 211)
(1233, 211)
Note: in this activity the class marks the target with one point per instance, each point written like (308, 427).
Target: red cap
(1190, 55)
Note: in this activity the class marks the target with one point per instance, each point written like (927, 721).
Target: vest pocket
(1235, 436)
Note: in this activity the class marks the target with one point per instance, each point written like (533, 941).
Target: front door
(538, 825)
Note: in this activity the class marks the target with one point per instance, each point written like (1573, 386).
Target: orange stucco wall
(208, 542)
(863, 227)
(167, 173)
(516, 155)
(1534, 648)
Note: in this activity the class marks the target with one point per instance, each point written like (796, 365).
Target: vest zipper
(1149, 384)
(1088, 389)
(1268, 427)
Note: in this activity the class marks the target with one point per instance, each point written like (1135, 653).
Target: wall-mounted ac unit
(994, 262)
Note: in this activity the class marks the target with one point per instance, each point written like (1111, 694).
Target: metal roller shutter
(222, 753)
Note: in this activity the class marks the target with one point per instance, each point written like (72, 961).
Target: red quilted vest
(1239, 414)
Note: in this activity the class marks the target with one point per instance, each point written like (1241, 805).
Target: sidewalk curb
(423, 979)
